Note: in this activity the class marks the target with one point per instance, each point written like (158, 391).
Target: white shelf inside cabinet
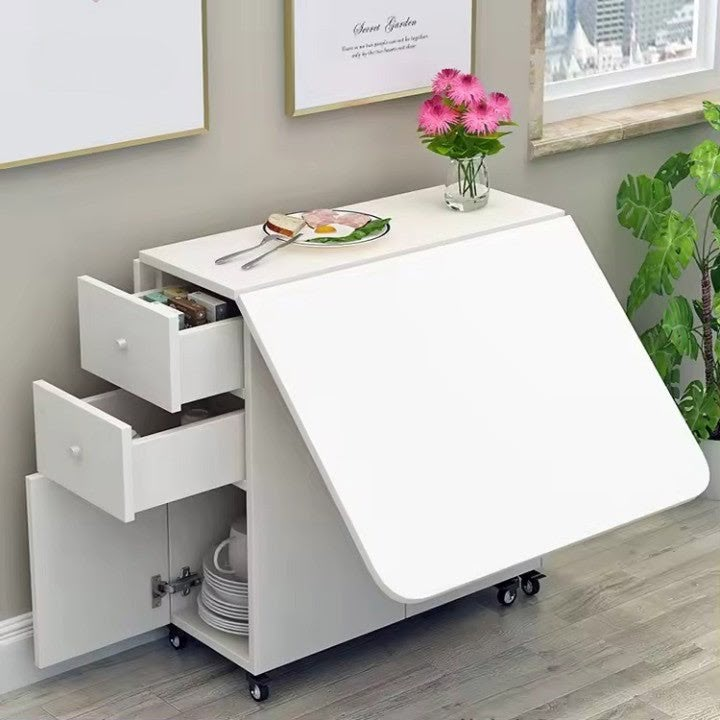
(234, 647)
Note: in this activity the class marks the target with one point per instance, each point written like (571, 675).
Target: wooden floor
(627, 627)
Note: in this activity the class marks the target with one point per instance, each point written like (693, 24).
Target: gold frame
(290, 107)
(139, 141)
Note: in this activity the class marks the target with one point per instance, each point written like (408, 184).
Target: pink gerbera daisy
(480, 119)
(436, 117)
(499, 103)
(466, 89)
(443, 80)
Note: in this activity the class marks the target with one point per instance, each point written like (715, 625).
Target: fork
(250, 265)
(229, 258)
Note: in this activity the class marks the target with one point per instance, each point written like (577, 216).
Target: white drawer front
(87, 446)
(138, 346)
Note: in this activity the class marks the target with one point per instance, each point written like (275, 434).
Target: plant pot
(711, 448)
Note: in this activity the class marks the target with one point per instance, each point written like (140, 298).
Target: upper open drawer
(139, 346)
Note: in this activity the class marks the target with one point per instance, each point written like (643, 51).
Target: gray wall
(93, 214)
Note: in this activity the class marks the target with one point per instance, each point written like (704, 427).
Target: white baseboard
(17, 667)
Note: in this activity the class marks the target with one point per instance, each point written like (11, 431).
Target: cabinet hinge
(160, 588)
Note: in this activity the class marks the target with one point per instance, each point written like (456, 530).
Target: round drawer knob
(75, 451)
(122, 343)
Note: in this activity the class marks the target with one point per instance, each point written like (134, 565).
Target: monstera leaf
(675, 170)
(677, 322)
(706, 167)
(642, 203)
(665, 357)
(701, 409)
(670, 252)
(712, 113)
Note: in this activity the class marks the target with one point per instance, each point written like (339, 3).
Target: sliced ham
(321, 217)
(353, 220)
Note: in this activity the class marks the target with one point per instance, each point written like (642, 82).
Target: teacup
(237, 552)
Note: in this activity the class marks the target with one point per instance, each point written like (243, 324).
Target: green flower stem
(467, 177)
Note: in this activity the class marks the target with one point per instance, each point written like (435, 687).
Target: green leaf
(642, 203)
(675, 170)
(706, 167)
(715, 273)
(670, 252)
(701, 409)
(664, 355)
(697, 305)
(641, 288)
(715, 211)
(677, 322)
(374, 226)
(712, 114)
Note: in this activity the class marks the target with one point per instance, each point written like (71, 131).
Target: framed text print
(341, 54)
(79, 76)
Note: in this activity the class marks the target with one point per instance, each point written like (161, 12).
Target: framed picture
(81, 76)
(340, 54)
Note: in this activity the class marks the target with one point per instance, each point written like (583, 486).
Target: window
(610, 54)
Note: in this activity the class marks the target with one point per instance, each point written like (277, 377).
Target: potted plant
(461, 121)
(675, 241)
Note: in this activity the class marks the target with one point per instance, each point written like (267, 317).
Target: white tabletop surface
(419, 219)
(474, 405)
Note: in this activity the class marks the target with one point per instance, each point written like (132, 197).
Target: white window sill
(616, 125)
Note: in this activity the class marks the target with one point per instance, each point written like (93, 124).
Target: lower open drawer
(125, 455)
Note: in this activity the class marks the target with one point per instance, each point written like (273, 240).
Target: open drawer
(124, 455)
(138, 346)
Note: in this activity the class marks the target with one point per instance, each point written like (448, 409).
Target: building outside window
(597, 49)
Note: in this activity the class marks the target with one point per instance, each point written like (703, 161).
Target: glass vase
(468, 186)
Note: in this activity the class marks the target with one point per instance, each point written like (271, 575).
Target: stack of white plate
(223, 600)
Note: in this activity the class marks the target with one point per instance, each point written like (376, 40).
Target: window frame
(579, 97)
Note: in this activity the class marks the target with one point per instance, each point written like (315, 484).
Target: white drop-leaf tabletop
(474, 405)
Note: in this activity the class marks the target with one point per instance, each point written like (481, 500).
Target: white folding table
(424, 416)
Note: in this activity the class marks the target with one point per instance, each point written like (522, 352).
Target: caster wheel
(177, 638)
(531, 586)
(258, 691)
(507, 596)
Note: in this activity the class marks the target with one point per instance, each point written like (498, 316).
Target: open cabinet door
(475, 405)
(91, 573)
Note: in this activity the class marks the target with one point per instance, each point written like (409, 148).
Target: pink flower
(444, 79)
(436, 117)
(480, 119)
(499, 103)
(466, 89)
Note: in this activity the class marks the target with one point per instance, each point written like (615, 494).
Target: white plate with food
(328, 228)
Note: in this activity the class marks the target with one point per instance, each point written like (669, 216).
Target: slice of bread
(284, 224)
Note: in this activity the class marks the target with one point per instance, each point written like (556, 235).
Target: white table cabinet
(411, 420)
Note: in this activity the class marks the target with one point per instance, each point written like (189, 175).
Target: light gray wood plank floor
(626, 627)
